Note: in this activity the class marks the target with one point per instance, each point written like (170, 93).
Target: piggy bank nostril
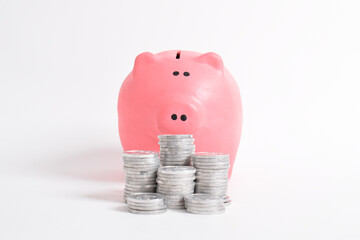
(174, 117)
(183, 117)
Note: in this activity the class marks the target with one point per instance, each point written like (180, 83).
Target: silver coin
(205, 209)
(177, 170)
(185, 145)
(174, 198)
(176, 179)
(209, 184)
(210, 155)
(181, 149)
(210, 158)
(176, 136)
(211, 191)
(174, 164)
(177, 185)
(176, 207)
(205, 213)
(202, 198)
(147, 212)
(210, 161)
(146, 207)
(211, 175)
(139, 154)
(184, 160)
(176, 175)
(171, 153)
(175, 190)
(142, 208)
(175, 161)
(175, 182)
(180, 163)
(174, 139)
(166, 192)
(189, 151)
(175, 157)
(215, 194)
(177, 145)
(212, 182)
(162, 139)
(211, 166)
(212, 171)
(147, 203)
(204, 204)
(147, 198)
(175, 204)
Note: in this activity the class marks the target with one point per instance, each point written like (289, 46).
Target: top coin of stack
(211, 173)
(204, 204)
(176, 150)
(141, 171)
(146, 203)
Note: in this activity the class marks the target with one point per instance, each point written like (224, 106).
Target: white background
(297, 174)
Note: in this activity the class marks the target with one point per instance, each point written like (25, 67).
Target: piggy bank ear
(213, 60)
(144, 59)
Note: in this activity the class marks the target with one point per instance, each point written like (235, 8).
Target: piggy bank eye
(186, 74)
(175, 73)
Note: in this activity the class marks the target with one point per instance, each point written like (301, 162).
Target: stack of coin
(146, 203)
(204, 204)
(211, 173)
(176, 150)
(141, 170)
(174, 182)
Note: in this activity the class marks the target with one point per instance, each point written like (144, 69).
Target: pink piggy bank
(180, 92)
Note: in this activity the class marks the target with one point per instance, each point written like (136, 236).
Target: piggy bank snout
(177, 118)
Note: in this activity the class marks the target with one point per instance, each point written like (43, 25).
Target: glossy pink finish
(209, 97)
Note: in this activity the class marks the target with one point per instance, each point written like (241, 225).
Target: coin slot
(178, 55)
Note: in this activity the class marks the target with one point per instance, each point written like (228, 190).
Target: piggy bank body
(180, 92)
